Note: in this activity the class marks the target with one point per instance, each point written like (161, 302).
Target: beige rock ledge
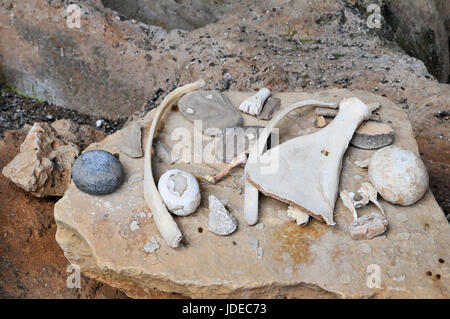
(312, 261)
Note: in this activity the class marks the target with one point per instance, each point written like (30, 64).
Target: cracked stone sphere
(97, 172)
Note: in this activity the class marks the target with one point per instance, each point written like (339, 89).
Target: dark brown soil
(32, 265)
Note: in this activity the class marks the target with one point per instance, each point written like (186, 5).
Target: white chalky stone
(399, 175)
(220, 221)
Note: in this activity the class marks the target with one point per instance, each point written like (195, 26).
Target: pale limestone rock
(399, 175)
(132, 140)
(294, 259)
(368, 226)
(220, 221)
(44, 163)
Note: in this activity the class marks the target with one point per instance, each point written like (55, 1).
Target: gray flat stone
(212, 108)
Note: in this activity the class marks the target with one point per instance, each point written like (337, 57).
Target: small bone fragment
(165, 153)
(320, 122)
(253, 105)
(321, 111)
(314, 160)
(238, 160)
(179, 191)
(131, 140)
(251, 192)
(298, 215)
(373, 135)
(271, 106)
(368, 226)
(332, 113)
(347, 200)
(134, 225)
(367, 190)
(220, 221)
(164, 222)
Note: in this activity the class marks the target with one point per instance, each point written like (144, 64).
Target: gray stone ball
(97, 172)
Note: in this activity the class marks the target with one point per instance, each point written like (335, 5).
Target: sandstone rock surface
(44, 163)
(279, 260)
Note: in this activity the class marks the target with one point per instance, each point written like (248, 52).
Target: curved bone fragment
(367, 226)
(163, 220)
(254, 104)
(348, 202)
(251, 192)
(309, 166)
(367, 190)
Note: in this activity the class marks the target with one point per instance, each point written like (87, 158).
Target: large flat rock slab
(312, 261)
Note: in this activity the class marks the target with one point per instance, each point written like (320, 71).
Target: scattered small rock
(220, 221)
(259, 226)
(152, 245)
(365, 248)
(134, 225)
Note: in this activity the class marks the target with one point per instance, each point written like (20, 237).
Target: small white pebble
(346, 279)
(98, 123)
(259, 253)
(135, 178)
(259, 226)
(152, 245)
(189, 111)
(134, 225)
(140, 215)
(401, 217)
(365, 248)
(284, 216)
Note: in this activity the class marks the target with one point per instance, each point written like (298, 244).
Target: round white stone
(179, 191)
(399, 175)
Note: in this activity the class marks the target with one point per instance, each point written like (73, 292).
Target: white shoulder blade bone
(309, 166)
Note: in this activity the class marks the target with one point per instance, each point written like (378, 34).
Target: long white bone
(164, 222)
(251, 193)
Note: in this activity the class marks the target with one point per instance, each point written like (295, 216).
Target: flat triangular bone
(309, 166)
(251, 192)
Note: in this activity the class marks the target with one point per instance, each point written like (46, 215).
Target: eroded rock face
(278, 260)
(43, 165)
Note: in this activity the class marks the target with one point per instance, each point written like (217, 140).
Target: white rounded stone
(179, 191)
(399, 175)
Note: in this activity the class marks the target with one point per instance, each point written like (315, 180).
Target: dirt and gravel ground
(16, 111)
